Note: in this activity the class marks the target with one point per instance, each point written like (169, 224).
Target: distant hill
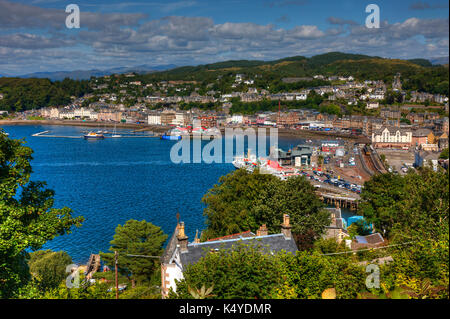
(416, 74)
(439, 60)
(87, 74)
(333, 63)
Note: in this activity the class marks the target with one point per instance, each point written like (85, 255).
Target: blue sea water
(113, 180)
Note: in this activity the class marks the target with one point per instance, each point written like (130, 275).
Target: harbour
(113, 180)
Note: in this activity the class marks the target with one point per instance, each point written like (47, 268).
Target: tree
(242, 272)
(417, 203)
(246, 272)
(136, 238)
(27, 217)
(444, 154)
(244, 201)
(49, 267)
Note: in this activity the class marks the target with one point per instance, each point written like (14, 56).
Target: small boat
(93, 135)
(115, 135)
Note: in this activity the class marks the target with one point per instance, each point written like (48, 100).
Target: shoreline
(161, 129)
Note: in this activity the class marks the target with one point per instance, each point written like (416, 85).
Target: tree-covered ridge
(25, 94)
(417, 74)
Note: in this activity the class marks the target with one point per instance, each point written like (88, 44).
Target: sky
(112, 33)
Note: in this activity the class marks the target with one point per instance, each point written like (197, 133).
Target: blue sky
(115, 33)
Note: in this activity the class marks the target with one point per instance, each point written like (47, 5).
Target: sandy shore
(162, 129)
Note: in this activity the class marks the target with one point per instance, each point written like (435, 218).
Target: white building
(66, 114)
(237, 118)
(372, 105)
(154, 119)
(392, 137)
(83, 113)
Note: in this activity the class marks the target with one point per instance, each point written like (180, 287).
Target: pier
(339, 200)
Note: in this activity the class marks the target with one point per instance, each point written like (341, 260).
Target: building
(301, 155)
(372, 105)
(426, 158)
(167, 117)
(154, 119)
(338, 227)
(287, 119)
(369, 241)
(329, 147)
(109, 116)
(208, 121)
(83, 113)
(422, 136)
(392, 137)
(179, 253)
(181, 119)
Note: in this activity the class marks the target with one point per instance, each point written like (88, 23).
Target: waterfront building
(154, 119)
(109, 116)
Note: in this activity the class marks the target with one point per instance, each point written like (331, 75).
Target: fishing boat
(93, 135)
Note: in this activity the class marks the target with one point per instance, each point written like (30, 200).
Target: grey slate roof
(170, 248)
(268, 244)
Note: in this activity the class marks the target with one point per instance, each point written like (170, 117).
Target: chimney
(262, 231)
(286, 227)
(196, 239)
(182, 238)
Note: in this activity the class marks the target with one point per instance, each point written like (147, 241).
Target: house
(337, 228)
(369, 241)
(179, 253)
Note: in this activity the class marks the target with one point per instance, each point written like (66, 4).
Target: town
(406, 128)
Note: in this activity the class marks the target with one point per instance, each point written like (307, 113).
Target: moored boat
(93, 135)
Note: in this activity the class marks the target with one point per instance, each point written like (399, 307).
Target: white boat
(92, 135)
(115, 135)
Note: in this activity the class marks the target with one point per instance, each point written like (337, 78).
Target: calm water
(113, 180)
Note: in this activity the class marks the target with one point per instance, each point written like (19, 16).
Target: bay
(113, 180)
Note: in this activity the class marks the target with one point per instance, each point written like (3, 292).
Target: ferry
(92, 135)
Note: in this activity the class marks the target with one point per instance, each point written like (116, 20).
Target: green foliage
(244, 201)
(27, 217)
(141, 292)
(49, 267)
(416, 202)
(136, 238)
(444, 154)
(86, 291)
(243, 272)
(26, 94)
(248, 273)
